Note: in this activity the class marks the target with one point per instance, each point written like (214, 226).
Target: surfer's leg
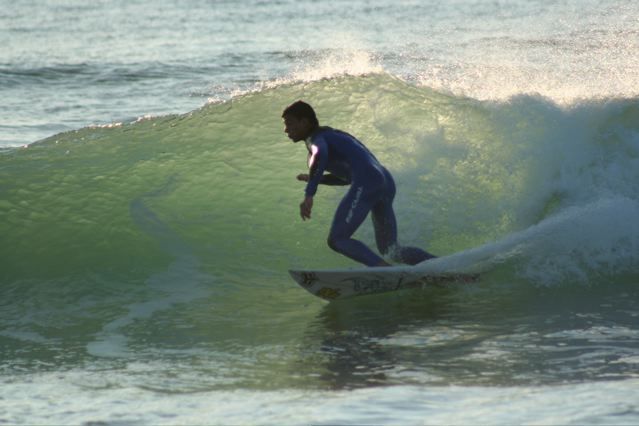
(385, 225)
(386, 237)
(350, 214)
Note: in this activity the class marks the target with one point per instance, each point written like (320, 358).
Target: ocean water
(149, 212)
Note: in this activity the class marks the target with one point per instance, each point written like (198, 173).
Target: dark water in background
(67, 64)
(143, 264)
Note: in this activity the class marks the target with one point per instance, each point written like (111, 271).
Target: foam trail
(573, 245)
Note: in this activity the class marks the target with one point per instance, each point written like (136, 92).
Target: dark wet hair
(301, 109)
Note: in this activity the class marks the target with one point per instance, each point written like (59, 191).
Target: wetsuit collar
(309, 139)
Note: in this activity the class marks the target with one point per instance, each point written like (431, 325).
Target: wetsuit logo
(358, 195)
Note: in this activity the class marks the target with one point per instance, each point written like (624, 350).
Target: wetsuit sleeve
(317, 164)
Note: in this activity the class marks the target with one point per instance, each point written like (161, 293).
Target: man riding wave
(372, 189)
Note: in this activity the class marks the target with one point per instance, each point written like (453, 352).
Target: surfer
(349, 162)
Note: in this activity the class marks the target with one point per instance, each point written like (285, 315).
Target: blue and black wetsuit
(372, 190)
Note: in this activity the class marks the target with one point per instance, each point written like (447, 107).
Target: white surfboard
(344, 283)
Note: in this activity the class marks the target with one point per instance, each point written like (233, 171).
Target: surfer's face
(297, 129)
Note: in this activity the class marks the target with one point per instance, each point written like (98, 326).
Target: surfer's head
(300, 121)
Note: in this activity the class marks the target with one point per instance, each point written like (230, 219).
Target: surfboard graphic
(345, 283)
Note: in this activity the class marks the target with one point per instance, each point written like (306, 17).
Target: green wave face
(218, 184)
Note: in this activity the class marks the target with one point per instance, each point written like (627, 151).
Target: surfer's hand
(303, 177)
(305, 208)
